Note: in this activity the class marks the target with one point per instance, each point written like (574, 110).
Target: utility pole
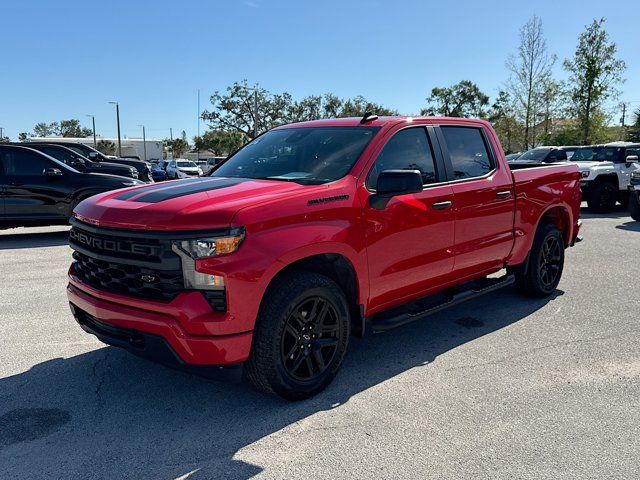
(1, 136)
(198, 147)
(118, 122)
(93, 121)
(144, 142)
(624, 111)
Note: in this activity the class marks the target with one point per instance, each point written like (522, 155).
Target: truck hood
(193, 204)
(584, 166)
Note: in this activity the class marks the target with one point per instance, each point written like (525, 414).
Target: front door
(484, 200)
(29, 192)
(409, 240)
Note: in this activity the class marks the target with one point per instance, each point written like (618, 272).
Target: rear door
(409, 240)
(30, 193)
(483, 200)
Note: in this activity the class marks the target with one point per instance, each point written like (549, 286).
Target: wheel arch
(336, 266)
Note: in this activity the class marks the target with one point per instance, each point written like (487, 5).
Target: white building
(131, 147)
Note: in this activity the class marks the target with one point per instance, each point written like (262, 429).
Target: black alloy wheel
(550, 261)
(310, 339)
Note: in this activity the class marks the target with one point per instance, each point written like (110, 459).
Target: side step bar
(381, 323)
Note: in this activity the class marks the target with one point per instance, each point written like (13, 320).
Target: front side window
(467, 151)
(408, 149)
(307, 155)
(23, 163)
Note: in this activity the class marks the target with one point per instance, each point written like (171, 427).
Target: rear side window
(408, 149)
(24, 163)
(467, 151)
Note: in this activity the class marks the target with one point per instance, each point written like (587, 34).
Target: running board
(382, 323)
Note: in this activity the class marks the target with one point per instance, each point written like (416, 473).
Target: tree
(594, 73)
(464, 99)
(177, 146)
(42, 130)
(107, 147)
(633, 132)
(219, 142)
(530, 74)
(4, 139)
(63, 128)
(235, 110)
(23, 136)
(502, 117)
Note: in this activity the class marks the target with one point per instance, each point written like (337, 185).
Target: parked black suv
(144, 168)
(80, 163)
(36, 189)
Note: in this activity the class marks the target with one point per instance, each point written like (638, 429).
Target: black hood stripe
(155, 187)
(189, 189)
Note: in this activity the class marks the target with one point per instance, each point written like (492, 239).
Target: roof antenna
(368, 117)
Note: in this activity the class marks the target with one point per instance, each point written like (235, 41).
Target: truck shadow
(630, 226)
(618, 212)
(14, 241)
(110, 414)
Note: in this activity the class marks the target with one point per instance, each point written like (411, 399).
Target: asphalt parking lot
(501, 387)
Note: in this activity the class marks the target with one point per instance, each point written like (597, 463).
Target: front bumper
(181, 328)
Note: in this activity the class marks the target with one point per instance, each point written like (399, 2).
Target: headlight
(200, 171)
(585, 174)
(211, 247)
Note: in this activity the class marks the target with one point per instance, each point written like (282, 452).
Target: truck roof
(378, 122)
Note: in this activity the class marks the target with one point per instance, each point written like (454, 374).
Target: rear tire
(602, 198)
(300, 338)
(546, 263)
(634, 206)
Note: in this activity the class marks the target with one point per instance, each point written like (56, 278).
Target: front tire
(634, 206)
(602, 198)
(301, 336)
(546, 263)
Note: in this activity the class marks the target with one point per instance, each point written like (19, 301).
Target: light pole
(118, 122)
(1, 136)
(144, 142)
(93, 121)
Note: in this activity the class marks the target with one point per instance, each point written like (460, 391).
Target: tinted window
(468, 152)
(24, 163)
(407, 150)
(310, 155)
(535, 154)
(59, 154)
(596, 154)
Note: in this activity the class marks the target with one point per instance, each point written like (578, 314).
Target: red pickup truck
(313, 232)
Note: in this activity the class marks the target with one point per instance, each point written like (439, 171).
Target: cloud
(251, 3)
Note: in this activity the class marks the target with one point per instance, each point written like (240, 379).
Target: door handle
(442, 205)
(505, 194)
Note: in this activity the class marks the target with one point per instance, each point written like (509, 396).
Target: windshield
(595, 154)
(535, 154)
(186, 163)
(304, 155)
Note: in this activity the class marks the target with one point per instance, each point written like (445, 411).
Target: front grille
(127, 279)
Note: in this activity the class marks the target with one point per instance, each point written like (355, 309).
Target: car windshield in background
(184, 164)
(535, 154)
(304, 155)
(595, 154)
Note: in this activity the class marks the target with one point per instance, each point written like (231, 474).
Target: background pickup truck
(313, 232)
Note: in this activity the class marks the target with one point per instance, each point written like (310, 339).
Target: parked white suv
(606, 172)
(181, 168)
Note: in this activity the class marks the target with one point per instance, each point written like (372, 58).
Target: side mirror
(93, 155)
(52, 172)
(632, 159)
(398, 182)
(78, 165)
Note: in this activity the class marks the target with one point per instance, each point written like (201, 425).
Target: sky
(67, 59)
